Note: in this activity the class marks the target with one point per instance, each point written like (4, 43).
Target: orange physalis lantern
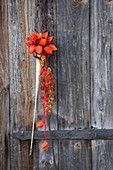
(45, 145)
(32, 49)
(40, 123)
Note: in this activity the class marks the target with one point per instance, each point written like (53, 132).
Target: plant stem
(36, 95)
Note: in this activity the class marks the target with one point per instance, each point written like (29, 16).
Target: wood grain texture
(73, 64)
(75, 155)
(46, 21)
(101, 64)
(21, 21)
(73, 80)
(46, 160)
(102, 155)
(4, 88)
(102, 79)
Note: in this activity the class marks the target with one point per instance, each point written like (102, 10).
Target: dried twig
(36, 95)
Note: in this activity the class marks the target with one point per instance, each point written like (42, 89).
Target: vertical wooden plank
(47, 11)
(101, 64)
(73, 80)
(73, 64)
(75, 155)
(21, 21)
(4, 88)
(102, 155)
(46, 21)
(102, 79)
(44, 11)
(46, 159)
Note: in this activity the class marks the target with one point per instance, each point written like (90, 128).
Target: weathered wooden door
(83, 70)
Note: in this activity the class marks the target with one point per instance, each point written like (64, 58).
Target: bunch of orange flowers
(40, 43)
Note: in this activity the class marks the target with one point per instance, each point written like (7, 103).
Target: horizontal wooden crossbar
(85, 134)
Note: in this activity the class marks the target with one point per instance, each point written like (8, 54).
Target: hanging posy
(40, 46)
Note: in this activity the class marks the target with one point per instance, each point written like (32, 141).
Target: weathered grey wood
(73, 78)
(101, 79)
(47, 11)
(75, 155)
(46, 21)
(4, 88)
(102, 155)
(85, 134)
(101, 64)
(39, 27)
(46, 160)
(21, 21)
(73, 64)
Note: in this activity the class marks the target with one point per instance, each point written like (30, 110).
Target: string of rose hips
(39, 45)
